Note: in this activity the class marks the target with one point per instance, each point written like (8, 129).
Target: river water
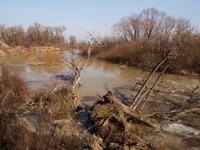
(97, 78)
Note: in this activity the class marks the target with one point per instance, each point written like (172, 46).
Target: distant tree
(72, 40)
(36, 35)
(12, 36)
(57, 37)
(39, 34)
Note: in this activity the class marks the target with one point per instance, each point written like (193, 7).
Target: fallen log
(118, 126)
(110, 98)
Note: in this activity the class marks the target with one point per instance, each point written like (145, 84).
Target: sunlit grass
(32, 57)
(51, 58)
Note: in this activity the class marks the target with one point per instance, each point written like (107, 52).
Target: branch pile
(118, 126)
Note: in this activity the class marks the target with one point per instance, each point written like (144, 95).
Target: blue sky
(80, 16)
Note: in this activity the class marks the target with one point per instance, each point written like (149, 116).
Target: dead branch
(112, 99)
(185, 112)
(75, 66)
(137, 98)
(152, 88)
(162, 113)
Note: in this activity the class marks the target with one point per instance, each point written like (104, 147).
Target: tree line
(35, 35)
(144, 39)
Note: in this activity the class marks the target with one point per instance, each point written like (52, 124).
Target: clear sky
(80, 16)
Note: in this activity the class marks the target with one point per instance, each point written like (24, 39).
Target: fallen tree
(119, 126)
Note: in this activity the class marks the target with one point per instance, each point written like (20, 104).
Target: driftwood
(152, 88)
(186, 112)
(137, 99)
(109, 97)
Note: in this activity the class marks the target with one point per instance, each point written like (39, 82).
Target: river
(97, 77)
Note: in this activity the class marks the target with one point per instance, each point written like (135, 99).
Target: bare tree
(123, 30)
(12, 36)
(39, 34)
(76, 65)
(72, 40)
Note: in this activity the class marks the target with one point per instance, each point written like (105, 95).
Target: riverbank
(6, 50)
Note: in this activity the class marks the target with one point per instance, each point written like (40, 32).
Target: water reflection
(46, 69)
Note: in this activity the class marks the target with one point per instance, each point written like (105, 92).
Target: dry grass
(51, 58)
(52, 106)
(65, 135)
(14, 91)
(32, 57)
(14, 94)
(60, 104)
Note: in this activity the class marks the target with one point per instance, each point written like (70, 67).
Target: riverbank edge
(6, 50)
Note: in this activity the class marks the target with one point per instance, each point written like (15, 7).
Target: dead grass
(51, 58)
(32, 57)
(65, 135)
(60, 104)
(14, 95)
(14, 91)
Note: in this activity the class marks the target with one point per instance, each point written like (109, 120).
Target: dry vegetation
(118, 126)
(14, 91)
(144, 39)
(56, 108)
(51, 58)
